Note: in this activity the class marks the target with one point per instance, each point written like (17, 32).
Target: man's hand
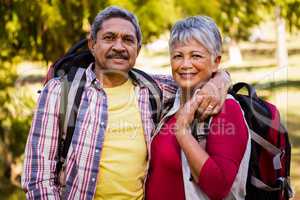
(214, 94)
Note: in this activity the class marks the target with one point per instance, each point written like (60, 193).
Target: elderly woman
(181, 168)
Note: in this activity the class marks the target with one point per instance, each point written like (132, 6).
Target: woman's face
(191, 64)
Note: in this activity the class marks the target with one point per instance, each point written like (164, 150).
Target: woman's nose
(187, 63)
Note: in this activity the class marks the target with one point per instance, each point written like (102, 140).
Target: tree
(156, 17)
(44, 30)
(15, 118)
(41, 30)
(282, 53)
(284, 12)
(234, 17)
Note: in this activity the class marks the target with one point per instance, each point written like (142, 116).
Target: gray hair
(201, 28)
(116, 12)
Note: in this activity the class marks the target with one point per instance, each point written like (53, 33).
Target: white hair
(201, 28)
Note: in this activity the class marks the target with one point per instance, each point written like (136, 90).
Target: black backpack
(269, 167)
(71, 70)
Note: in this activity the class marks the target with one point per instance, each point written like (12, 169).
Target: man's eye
(108, 37)
(129, 40)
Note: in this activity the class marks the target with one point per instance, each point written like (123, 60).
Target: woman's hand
(195, 154)
(186, 114)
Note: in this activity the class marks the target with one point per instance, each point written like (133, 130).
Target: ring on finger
(210, 107)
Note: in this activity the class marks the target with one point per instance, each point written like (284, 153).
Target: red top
(226, 145)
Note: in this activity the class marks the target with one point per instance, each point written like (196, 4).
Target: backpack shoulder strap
(72, 89)
(155, 93)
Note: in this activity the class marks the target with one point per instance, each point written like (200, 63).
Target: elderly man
(109, 153)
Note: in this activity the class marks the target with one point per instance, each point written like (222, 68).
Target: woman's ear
(216, 63)
(218, 60)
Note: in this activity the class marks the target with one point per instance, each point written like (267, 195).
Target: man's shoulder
(164, 80)
(53, 86)
(162, 77)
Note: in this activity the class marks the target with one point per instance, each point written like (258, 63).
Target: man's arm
(41, 148)
(167, 85)
(213, 92)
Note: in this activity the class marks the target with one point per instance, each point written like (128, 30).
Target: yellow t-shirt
(124, 154)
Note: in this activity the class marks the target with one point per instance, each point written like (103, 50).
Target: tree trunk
(282, 53)
(235, 56)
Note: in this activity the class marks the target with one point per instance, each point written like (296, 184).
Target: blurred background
(261, 46)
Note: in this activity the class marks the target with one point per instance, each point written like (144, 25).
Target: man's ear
(216, 63)
(91, 44)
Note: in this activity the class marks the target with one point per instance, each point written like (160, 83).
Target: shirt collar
(91, 78)
(90, 75)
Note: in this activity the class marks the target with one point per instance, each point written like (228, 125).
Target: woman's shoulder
(230, 123)
(231, 105)
(231, 109)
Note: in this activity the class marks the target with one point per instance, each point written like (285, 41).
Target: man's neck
(110, 78)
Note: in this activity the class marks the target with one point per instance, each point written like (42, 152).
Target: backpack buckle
(285, 187)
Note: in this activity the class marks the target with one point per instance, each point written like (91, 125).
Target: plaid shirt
(84, 155)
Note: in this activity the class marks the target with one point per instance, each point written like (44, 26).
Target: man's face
(116, 46)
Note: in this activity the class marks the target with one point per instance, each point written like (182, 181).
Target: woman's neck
(185, 95)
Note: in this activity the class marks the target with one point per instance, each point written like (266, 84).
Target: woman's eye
(176, 56)
(197, 56)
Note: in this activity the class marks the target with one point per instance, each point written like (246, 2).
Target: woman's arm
(215, 167)
(195, 154)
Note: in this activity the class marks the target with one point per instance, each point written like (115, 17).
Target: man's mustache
(117, 55)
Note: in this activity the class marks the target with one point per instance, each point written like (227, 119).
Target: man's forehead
(118, 25)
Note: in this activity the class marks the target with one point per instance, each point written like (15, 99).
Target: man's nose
(118, 45)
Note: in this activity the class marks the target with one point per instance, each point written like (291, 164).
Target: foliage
(289, 10)
(40, 30)
(45, 29)
(155, 17)
(188, 8)
(15, 117)
(236, 18)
